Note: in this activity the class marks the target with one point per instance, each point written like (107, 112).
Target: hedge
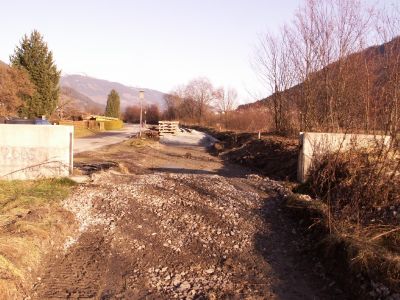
(114, 124)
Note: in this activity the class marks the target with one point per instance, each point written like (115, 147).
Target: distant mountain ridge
(98, 90)
(79, 102)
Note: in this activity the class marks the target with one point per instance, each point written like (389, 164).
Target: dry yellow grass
(31, 221)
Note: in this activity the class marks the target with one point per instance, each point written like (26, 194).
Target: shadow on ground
(182, 171)
(286, 249)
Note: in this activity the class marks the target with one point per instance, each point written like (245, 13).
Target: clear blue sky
(153, 44)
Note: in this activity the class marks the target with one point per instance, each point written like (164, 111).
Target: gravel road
(105, 138)
(182, 226)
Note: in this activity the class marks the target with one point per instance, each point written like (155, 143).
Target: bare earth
(174, 222)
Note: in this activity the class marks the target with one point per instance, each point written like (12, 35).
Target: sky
(156, 44)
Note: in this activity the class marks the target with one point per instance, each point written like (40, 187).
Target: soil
(271, 155)
(175, 222)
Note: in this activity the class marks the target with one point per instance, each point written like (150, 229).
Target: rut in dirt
(181, 233)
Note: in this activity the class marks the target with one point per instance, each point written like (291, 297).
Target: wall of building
(35, 151)
(314, 144)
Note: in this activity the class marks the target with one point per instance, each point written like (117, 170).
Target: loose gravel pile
(180, 229)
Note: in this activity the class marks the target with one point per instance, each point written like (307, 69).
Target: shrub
(113, 124)
(360, 187)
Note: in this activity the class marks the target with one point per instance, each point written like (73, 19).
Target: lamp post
(141, 97)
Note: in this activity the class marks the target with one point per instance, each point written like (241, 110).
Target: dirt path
(174, 222)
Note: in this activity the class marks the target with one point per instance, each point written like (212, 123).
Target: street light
(141, 98)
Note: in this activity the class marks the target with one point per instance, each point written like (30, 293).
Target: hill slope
(98, 89)
(76, 101)
(371, 55)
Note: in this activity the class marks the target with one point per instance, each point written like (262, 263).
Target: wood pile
(168, 127)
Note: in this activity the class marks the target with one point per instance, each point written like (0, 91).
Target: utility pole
(141, 97)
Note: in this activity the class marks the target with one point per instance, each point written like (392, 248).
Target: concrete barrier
(314, 144)
(35, 151)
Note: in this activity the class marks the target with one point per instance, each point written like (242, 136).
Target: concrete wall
(35, 151)
(314, 144)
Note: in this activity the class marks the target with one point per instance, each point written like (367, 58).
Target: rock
(185, 286)
(209, 271)
(80, 178)
(176, 282)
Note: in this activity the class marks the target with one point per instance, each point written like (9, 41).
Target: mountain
(73, 100)
(3, 63)
(98, 90)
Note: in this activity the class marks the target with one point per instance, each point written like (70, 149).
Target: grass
(347, 254)
(30, 219)
(140, 142)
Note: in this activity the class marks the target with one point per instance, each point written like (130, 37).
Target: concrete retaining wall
(314, 144)
(35, 151)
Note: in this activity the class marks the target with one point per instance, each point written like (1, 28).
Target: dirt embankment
(273, 156)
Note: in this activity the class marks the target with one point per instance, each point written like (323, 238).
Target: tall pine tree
(113, 105)
(34, 56)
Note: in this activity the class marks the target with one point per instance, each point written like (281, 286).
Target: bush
(113, 124)
(362, 188)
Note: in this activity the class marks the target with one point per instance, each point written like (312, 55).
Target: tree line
(200, 102)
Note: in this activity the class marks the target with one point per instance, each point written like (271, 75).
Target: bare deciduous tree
(201, 93)
(15, 86)
(225, 102)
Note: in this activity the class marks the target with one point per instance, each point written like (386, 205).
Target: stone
(185, 286)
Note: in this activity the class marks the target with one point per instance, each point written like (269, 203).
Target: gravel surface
(181, 235)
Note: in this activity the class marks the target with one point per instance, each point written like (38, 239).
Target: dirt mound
(275, 157)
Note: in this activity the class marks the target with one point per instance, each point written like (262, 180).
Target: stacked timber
(168, 127)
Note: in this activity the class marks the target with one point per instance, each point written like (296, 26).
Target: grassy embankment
(32, 222)
(357, 216)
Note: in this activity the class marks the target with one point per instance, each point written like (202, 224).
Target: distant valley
(92, 92)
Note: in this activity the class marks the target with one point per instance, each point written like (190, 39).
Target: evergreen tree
(113, 105)
(33, 55)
